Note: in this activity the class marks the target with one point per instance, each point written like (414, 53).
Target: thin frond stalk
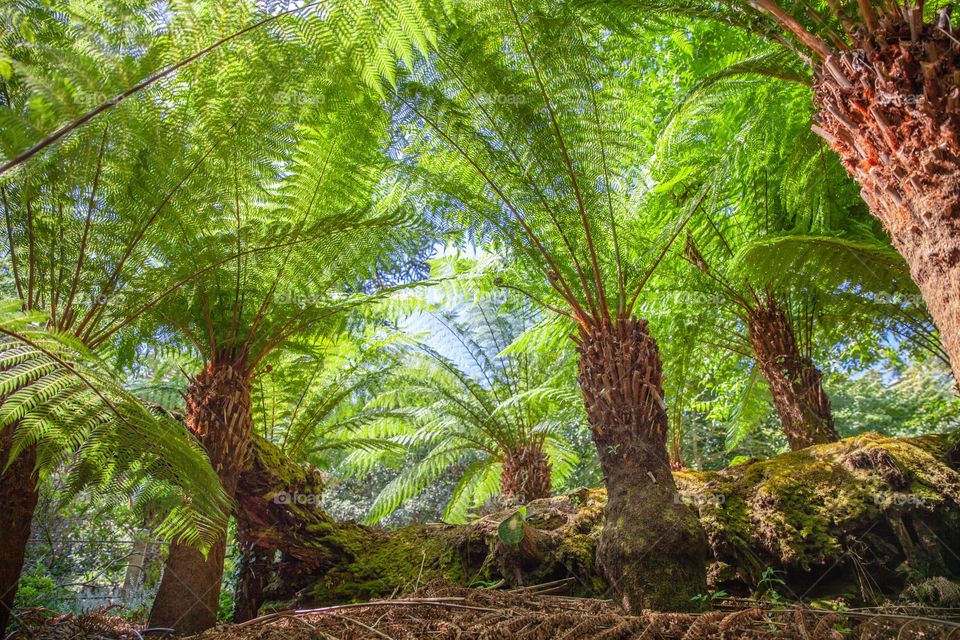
(552, 272)
(604, 310)
(12, 248)
(81, 254)
(89, 321)
(791, 24)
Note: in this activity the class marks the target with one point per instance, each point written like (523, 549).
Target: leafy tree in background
(915, 401)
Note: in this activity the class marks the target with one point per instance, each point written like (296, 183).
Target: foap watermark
(501, 98)
(89, 299)
(95, 99)
(285, 497)
(891, 99)
(897, 299)
(302, 300)
(699, 499)
(891, 498)
(298, 98)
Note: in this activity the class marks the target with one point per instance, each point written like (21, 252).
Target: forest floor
(446, 612)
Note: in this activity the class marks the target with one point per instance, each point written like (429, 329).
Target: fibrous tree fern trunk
(795, 383)
(890, 107)
(652, 549)
(18, 500)
(218, 413)
(526, 475)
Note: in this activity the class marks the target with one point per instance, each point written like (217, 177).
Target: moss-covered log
(854, 518)
(324, 561)
(827, 517)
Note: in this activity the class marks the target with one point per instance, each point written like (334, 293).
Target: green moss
(378, 563)
(798, 508)
(286, 473)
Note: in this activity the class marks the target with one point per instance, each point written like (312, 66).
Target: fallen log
(860, 519)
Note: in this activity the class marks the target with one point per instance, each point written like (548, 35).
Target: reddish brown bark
(526, 475)
(218, 413)
(890, 107)
(652, 549)
(18, 500)
(796, 385)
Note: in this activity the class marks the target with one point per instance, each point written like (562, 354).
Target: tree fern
(468, 401)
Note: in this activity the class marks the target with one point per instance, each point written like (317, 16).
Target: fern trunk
(890, 107)
(795, 383)
(218, 413)
(526, 475)
(18, 501)
(652, 550)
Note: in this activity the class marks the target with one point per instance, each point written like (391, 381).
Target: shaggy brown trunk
(18, 500)
(253, 574)
(218, 413)
(652, 549)
(890, 106)
(795, 383)
(526, 475)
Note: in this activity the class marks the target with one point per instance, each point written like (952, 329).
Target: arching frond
(59, 398)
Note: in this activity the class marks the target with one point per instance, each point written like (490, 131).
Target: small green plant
(40, 591)
(766, 589)
(706, 601)
(738, 460)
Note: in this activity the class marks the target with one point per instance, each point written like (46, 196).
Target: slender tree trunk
(133, 576)
(676, 453)
(795, 383)
(526, 475)
(652, 549)
(218, 413)
(18, 500)
(253, 575)
(890, 107)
